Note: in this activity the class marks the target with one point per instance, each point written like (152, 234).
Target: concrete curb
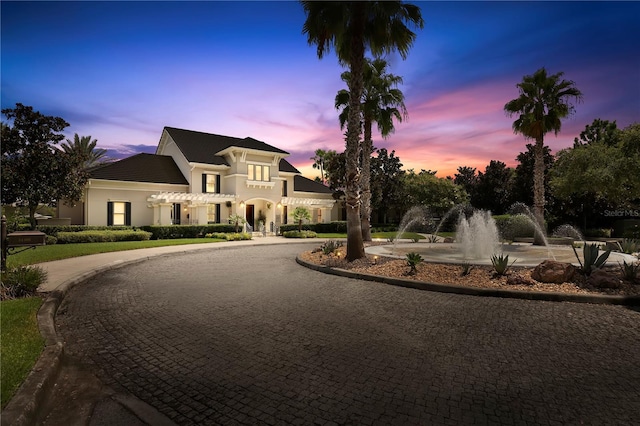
(472, 291)
(22, 409)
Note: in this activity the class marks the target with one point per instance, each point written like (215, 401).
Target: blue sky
(121, 71)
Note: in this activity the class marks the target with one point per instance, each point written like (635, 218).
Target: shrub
(22, 281)
(413, 260)
(511, 227)
(330, 246)
(235, 236)
(168, 232)
(632, 233)
(501, 263)
(101, 236)
(337, 227)
(55, 229)
(299, 234)
(50, 240)
(597, 233)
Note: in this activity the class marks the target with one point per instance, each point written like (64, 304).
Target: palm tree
(351, 27)
(382, 101)
(319, 160)
(544, 100)
(86, 150)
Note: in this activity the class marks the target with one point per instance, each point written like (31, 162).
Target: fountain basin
(525, 255)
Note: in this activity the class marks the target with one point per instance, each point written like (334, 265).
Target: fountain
(477, 240)
(478, 237)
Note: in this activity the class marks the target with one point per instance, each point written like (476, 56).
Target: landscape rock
(518, 279)
(552, 271)
(603, 279)
(448, 240)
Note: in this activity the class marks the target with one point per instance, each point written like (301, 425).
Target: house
(201, 178)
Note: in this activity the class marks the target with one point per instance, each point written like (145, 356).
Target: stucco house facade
(201, 178)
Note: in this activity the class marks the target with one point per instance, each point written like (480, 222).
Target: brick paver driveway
(247, 336)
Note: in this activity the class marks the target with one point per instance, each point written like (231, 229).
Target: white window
(258, 172)
(211, 213)
(211, 184)
(119, 213)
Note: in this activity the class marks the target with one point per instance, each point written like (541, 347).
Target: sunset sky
(121, 71)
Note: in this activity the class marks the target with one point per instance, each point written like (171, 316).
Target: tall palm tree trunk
(365, 181)
(538, 189)
(355, 245)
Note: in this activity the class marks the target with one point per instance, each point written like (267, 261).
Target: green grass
(65, 251)
(381, 235)
(21, 343)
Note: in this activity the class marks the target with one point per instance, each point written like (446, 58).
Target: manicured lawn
(21, 343)
(380, 235)
(65, 251)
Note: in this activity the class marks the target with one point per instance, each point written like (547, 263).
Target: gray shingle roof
(286, 166)
(303, 184)
(199, 147)
(141, 168)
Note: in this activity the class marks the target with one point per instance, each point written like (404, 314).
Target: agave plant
(591, 259)
(413, 260)
(630, 245)
(466, 269)
(630, 270)
(329, 247)
(501, 263)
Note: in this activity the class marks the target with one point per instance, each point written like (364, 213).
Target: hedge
(230, 236)
(167, 232)
(514, 226)
(101, 236)
(324, 228)
(299, 234)
(53, 230)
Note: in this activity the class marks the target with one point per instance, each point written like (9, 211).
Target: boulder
(552, 271)
(518, 279)
(448, 240)
(603, 279)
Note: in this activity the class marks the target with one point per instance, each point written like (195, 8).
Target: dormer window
(259, 173)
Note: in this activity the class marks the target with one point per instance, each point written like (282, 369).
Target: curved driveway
(247, 336)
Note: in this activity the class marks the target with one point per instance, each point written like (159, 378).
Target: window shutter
(127, 214)
(109, 213)
(218, 211)
(204, 183)
(218, 190)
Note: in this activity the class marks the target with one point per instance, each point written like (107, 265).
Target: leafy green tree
(34, 171)
(543, 102)
(493, 191)
(386, 183)
(600, 131)
(352, 27)
(601, 172)
(382, 101)
(467, 178)
(426, 189)
(85, 148)
(299, 214)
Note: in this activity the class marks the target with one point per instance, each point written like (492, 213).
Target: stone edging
(474, 291)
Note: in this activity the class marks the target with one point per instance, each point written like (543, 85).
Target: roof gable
(303, 184)
(141, 168)
(199, 147)
(286, 166)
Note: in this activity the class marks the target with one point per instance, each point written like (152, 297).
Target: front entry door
(249, 215)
